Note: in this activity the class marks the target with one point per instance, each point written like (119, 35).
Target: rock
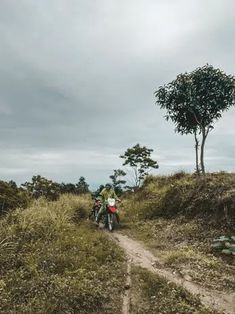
(127, 286)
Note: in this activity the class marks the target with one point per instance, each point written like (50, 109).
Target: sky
(77, 82)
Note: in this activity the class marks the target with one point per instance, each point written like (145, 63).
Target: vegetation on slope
(211, 197)
(52, 261)
(178, 217)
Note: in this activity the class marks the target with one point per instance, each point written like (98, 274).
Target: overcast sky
(77, 79)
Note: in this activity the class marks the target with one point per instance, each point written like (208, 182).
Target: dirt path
(140, 256)
(127, 297)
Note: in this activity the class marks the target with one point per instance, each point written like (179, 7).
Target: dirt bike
(95, 209)
(111, 216)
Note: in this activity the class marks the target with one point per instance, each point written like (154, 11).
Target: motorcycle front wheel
(110, 222)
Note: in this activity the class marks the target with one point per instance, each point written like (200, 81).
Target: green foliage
(49, 264)
(225, 245)
(42, 187)
(12, 197)
(138, 158)
(82, 187)
(68, 188)
(79, 188)
(195, 101)
(117, 180)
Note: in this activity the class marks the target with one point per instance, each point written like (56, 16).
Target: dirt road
(140, 256)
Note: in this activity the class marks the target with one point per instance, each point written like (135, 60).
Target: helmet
(108, 186)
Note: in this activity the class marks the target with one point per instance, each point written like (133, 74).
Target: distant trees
(82, 187)
(12, 197)
(68, 188)
(41, 186)
(117, 180)
(79, 188)
(195, 101)
(139, 159)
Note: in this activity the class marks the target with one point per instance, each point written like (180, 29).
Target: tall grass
(52, 260)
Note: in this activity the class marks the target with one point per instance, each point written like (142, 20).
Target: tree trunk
(202, 150)
(196, 151)
(136, 177)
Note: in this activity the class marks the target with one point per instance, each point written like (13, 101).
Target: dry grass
(179, 216)
(212, 197)
(154, 294)
(54, 261)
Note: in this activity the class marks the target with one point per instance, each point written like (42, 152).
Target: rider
(95, 197)
(106, 193)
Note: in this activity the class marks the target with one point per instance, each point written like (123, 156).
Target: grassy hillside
(211, 198)
(178, 217)
(52, 261)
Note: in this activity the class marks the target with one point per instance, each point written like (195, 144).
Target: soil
(138, 255)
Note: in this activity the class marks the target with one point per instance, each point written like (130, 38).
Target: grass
(211, 197)
(154, 294)
(187, 253)
(52, 260)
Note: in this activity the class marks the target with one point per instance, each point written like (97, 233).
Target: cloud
(77, 81)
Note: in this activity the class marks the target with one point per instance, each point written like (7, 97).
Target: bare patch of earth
(140, 256)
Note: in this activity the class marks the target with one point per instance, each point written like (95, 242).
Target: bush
(12, 197)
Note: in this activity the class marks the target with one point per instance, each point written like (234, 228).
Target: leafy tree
(12, 184)
(68, 188)
(82, 187)
(195, 101)
(117, 180)
(12, 197)
(41, 186)
(138, 158)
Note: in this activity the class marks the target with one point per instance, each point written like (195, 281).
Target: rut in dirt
(139, 255)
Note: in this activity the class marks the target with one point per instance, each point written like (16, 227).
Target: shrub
(12, 197)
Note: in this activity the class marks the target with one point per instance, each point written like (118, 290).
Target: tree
(117, 180)
(12, 197)
(68, 188)
(82, 187)
(138, 158)
(42, 187)
(195, 101)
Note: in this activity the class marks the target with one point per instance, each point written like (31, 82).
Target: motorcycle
(95, 209)
(111, 214)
